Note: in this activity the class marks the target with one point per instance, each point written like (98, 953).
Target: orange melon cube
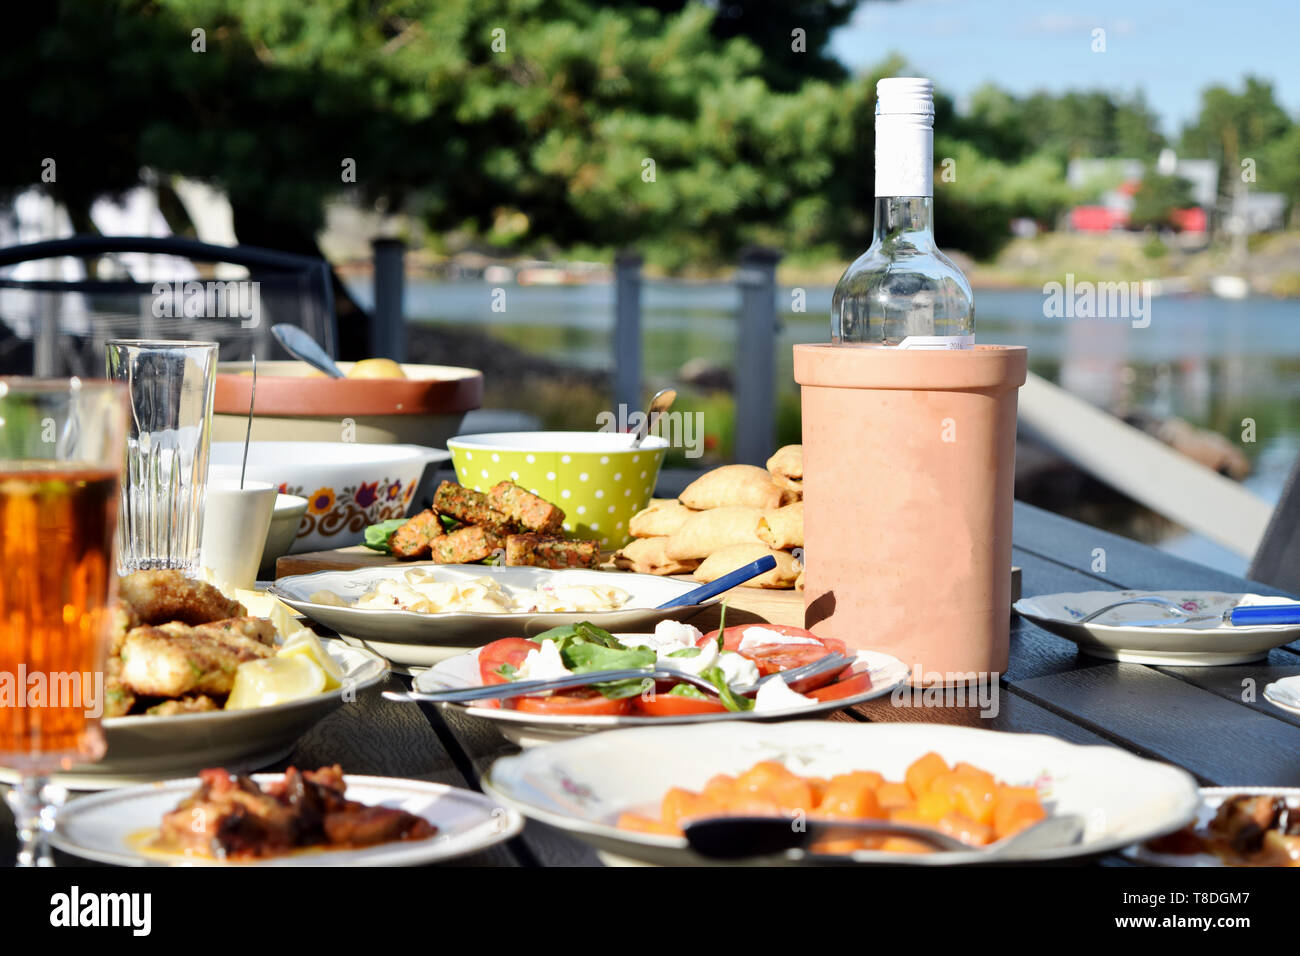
(935, 804)
(771, 783)
(721, 789)
(922, 771)
(1014, 815)
(680, 805)
(893, 796)
(973, 798)
(849, 798)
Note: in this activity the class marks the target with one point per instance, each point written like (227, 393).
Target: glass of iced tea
(62, 448)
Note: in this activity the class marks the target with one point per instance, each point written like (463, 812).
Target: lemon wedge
(303, 643)
(275, 680)
(376, 368)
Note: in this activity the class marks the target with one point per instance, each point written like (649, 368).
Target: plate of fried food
(1236, 826)
(194, 680)
(299, 818)
(630, 793)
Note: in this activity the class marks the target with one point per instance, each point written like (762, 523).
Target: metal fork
(794, 676)
(1169, 607)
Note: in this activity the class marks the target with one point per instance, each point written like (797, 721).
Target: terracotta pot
(909, 465)
(295, 403)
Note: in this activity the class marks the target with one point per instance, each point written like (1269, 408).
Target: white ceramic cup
(235, 522)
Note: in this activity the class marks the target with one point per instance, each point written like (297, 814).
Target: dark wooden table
(1212, 721)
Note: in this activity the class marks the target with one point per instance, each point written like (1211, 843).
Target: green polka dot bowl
(597, 478)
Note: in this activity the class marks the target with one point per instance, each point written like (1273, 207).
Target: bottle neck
(904, 220)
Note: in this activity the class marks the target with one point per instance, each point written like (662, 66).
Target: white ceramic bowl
(347, 485)
(285, 518)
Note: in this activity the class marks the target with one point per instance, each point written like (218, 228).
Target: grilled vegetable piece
(470, 507)
(551, 551)
(529, 511)
(465, 545)
(412, 539)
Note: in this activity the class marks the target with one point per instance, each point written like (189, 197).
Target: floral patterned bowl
(348, 485)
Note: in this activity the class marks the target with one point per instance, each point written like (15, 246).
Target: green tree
(1157, 198)
(1232, 126)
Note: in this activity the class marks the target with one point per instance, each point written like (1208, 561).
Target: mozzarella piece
(775, 694)
(737, 669)
(543, 664)
(757, 636)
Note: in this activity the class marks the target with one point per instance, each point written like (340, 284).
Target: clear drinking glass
(171, 387)
(61, 453)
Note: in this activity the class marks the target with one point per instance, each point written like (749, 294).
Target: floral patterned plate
(1145, 634)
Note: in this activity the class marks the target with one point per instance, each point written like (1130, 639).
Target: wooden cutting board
(744, 605)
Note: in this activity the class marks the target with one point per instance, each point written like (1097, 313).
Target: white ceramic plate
(417, 639)
(142, 748)
(582, 785)
(102, 827)
(1284, 693)
(1213, 798)
(1115, 635)
(528, 730)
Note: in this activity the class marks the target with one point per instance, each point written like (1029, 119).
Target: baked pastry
(649, 556)
(782, 528)
(663, 516)
(732, 485)
(738, 555)
(787, 462)
(707, 531)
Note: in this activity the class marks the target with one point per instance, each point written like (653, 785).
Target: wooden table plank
(482, 743)
(1217, 740)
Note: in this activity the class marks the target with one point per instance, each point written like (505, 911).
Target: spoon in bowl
(660, 403)
(299, 343)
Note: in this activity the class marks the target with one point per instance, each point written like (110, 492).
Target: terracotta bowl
(297, 403)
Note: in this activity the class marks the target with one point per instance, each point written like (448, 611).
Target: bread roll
(707, 531)
(782, 528)
(663, 516)
(745, 486)
(738, 555)
(648, 556)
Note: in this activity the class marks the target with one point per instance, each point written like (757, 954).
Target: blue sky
(1171, 49)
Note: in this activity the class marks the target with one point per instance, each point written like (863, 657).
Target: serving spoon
(734, 838)
(660, 403)
(299, 343)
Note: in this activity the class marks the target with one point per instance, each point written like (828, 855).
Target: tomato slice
(508, 650)
(848, 687)
(671, 705)
(776, 657)
(582, 703)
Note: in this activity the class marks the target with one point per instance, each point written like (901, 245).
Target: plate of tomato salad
(734, 655)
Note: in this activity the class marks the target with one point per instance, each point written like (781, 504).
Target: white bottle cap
(904, 136)
(905, 94)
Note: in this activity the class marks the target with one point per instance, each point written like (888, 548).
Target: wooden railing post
(756, 355)
(627, 330)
